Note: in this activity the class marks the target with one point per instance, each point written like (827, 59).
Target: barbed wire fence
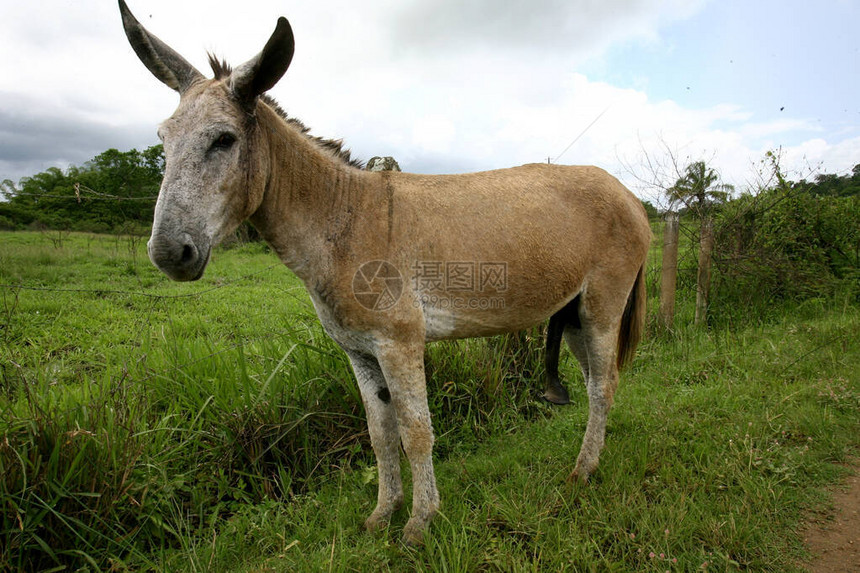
(88, 194)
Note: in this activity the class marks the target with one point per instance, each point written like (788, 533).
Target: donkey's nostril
(179, 255)
(188, 254)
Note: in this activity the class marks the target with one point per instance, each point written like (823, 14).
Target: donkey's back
(553, 230)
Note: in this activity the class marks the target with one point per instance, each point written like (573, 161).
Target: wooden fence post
(703, 278)
(669, 270)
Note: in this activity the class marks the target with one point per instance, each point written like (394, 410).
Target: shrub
(785, 244)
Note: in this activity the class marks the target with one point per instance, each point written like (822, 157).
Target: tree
(651, 210)
(699, 189)
(832, 185)
(695, 191)
(114, 191)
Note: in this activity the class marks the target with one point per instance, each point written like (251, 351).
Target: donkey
(394, 260)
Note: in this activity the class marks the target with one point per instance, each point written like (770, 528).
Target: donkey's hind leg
(596, 345)
(554, 393)
(384, 437)
(576, 341)
(600, 384)
(567, 317)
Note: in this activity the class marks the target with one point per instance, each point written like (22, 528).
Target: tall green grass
(136, 411)
(148, 425)
(716, 447)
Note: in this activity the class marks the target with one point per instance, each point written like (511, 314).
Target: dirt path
(834, 540)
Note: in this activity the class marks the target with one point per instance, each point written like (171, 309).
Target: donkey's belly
(452, 318)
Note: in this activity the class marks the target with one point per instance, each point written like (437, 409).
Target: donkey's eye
(225, 141)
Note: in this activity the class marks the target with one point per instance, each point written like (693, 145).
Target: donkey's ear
(262, 72)
(164, 63)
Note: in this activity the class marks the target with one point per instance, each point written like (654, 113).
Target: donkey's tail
(632, 321)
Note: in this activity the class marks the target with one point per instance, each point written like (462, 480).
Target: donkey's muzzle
(180, 258)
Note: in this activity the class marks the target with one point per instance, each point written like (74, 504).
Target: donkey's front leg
(384, 437)
(403, 367)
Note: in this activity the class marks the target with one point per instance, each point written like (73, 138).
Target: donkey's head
(215, 161)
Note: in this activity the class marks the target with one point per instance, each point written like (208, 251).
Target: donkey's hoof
(581, 473)
(556, 395)
(376, 523)
(413, 534)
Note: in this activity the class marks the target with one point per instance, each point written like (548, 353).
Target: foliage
(831, 185)
(698, 189)
(651, 210)
(114, 192)
(788, 242)
(775, 246)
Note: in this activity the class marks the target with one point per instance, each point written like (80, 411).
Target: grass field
(151, 425)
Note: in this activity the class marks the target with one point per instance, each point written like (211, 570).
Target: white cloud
(818, 155)
(443, 86)
(580, 28)
(433, 133)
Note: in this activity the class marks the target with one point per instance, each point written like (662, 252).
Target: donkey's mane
(222, 70)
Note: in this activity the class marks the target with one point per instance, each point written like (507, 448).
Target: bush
(785, 244)
(7, 224)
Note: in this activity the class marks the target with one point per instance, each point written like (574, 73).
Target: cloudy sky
(450, 86)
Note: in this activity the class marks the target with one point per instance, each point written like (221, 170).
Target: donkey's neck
(312, 198)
